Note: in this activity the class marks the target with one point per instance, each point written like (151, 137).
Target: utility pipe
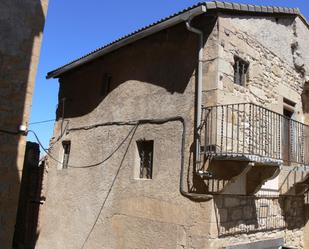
(198, 90)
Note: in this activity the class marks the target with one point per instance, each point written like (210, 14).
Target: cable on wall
(140, 122)
(82, 166)
(136, 124)
(193, 196)
(9, 132)
(110, 188)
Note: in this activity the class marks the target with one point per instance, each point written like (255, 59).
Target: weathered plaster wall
(152, 78)
(138, 213)
(21, 26)
(300, 48)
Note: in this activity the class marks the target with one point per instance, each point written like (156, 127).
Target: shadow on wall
(237, 215)
(305, 100)
(167, 59)
(221, 178)
(22, 23)
(30, 199)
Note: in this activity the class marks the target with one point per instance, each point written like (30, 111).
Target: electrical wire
(183, 142)
(42, 122)
(133, 130)
(83, 166)
(149, 121)
(9, 132)
(110, 188)
(194, 196)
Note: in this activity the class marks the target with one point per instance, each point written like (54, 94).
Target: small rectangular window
(240, 71)
(288, 108)
(106, 84)
(66, 153)
(289, 102)
(145, 151)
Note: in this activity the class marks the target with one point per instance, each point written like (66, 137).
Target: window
(288, 108)
(287, 113)
(106, 84)
(240, 71)
(66, 153)
(289, 103)
(145, 152)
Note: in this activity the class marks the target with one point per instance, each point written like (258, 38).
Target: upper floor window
(288, 107)
(145, 151)
(240, 71)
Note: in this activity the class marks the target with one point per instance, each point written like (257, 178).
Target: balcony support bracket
(258, 175)
(300, 187)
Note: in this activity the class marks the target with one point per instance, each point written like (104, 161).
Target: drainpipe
(199, 86)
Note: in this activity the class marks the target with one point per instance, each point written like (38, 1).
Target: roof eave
(171, 21)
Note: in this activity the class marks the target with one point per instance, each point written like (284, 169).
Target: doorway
(287, 131)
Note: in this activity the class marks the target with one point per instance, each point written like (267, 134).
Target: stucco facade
(99, 201)
(21, 26)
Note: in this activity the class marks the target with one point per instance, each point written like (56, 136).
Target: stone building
(21, 27)
(188, 133)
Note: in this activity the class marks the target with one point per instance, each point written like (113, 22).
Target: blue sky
(75, 27)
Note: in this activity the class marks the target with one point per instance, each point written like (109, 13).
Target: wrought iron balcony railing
(254, 133)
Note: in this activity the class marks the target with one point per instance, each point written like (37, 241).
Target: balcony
(253, 133)
(247, 139)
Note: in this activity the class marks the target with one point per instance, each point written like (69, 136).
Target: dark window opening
(145, 151)
(66, 153)
(288, 102)
(287, 113)
(106, 84)
(240, 71)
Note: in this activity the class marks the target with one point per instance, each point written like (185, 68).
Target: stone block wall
(271, 53)
(274, 73)
(271, 76)
(22, 25)
(256, 218)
